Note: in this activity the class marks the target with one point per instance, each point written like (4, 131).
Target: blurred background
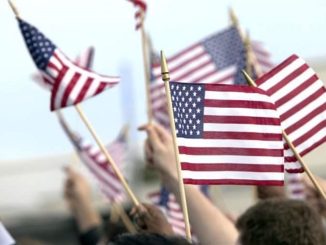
(33, 147)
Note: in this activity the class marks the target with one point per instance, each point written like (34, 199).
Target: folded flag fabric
(295, 186)
(72, 84)
(227, 134)
(300, 99)
(84, 60)
(218, 58)
(97, 164)
(141, 7)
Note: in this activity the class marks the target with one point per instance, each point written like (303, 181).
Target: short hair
(281, 222)
(148, 238)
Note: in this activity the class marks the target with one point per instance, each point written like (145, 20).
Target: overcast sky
(28, 129)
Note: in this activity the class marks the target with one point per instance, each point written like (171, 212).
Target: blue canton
(226, 49)
(188, 109)
(40, 48)
(164, 197)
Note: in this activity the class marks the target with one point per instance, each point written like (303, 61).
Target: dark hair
(281, 222)
(147, 239)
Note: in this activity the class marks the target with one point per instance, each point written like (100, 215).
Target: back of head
(148, 238)
(284, 222)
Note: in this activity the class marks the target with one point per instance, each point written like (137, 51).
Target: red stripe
(294, 170)
(319, 110)
(239, 104)
(101, 87)
(310, 133)
(276, 70)
(312, 147)
(282, 83)
(219, 80)
(232, 167)
(242, 135)
(242, 120)
(84, 90)
(56, 85)
(232, 182)
(232, 88)
(183, 52)
(230, 151)
(296, 91)
(51, 65)
(190, 72)
(69, 88)
(186, 62)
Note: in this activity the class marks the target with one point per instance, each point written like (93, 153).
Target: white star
(183, 99)
(187, 126)
(190, 110)
(198, 110)
(174, 109)
(177, 87)
(187, 93)
(194, 126)
(172, 86)
(199, 88)
(190, 132)
(194, 93)
(183, 110)
(193, 116)
(194, 105)
(190, 121)
(198, 132)
(191, 88)
(190, 99)
(198, 99)
(184, 88)
(186, 104)
(187, 116)
(198, 121)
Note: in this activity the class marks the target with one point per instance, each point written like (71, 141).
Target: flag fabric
(218, 58)
(299, 96)
(84, 60)
(141, 8)
(72, 84)
(227, 134)
(295, 187)
(96, 162)
(263, 57)
(167, 202)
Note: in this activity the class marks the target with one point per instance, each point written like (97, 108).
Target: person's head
(148, 238)
(285, 222)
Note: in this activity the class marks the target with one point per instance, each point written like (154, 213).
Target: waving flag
(263, 57)
(140, 12)
(227, 134)
(300, 99)
(84, 60)
(216, 59)
(72, 84)
(97, 164)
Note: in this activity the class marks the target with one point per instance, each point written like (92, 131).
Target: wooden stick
(296, 153)
(146, 69)
(13, 8)
(107, 155)
(166, 79)
(125, 219)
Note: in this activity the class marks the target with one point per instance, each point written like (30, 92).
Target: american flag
(295, 186)
(227, 134)
(84, 60)
(300, 99)
(167, 202)
(263, 57)
(72, 84)
(216, 59)
(97, 163)
(141, 7)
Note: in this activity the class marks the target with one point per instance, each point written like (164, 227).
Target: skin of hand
(77, 193)
(159, 150)
(150, 218)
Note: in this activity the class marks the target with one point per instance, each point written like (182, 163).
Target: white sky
(28, 129)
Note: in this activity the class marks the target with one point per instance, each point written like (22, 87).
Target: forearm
(210, 225)
(86, 217)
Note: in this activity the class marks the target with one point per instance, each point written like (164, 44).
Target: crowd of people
(273, 220)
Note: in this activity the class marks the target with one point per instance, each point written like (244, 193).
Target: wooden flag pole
(13, 8)
(118, 212)
(166, 79)
(107, 155)
(146, 68)
(296, 154)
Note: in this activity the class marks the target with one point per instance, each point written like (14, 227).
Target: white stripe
(305, 128)
(77, 88)
(292, 165)
(229, 175)
(62, 88)
(193, 76)
(245, 112)
(248, 128)
(282, 74)
(299, 115)
(259, 144)
(301, 96)
(312, 140)
(92, 89)
(293, 84)
(235, 96)
(224, 159)
(221, 75)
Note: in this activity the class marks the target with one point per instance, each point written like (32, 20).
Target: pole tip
(250, 81)
(13, 8)
(233, 17)
(164, 68)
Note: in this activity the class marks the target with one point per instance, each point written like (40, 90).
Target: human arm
(209, 223)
